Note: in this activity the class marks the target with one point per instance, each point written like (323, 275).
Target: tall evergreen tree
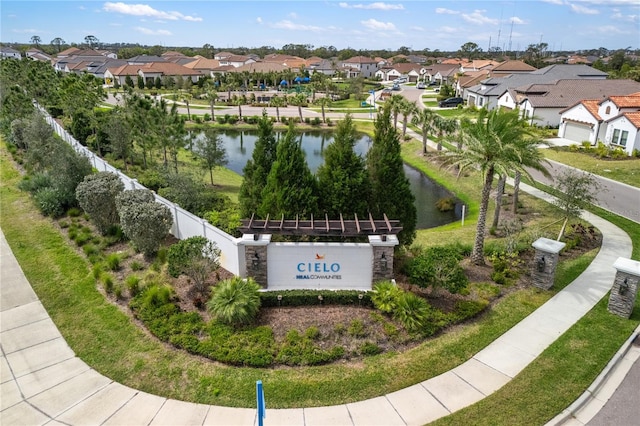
(343, 182)
(391, 193)
(257, 168)
(291, 187)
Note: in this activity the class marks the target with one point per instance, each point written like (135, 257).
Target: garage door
(577, 132)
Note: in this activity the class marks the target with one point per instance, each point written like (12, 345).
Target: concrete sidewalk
(42, 381)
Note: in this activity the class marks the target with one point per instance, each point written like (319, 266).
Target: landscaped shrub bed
(315, 297)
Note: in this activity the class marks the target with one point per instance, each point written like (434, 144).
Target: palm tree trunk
(499, 192)
(477, 255)
(516, 190)
(424, 143)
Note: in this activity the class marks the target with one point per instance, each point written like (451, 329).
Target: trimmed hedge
(311, 297)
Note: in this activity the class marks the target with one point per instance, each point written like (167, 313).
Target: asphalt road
(617, 197)
(623, 408)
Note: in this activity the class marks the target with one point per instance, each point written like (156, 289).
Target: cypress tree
(343, 182)
(257, 168)
(391, 193)
(291, 187)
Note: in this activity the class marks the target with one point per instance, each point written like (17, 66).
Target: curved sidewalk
(42, 381)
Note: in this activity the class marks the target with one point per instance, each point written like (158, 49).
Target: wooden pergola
(321, 227)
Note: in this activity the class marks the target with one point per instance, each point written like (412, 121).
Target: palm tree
(407, 108)
(425, 119)
(91, 41)
(323, 102)
(300, 99)
(212, 95)
(277, 102)
(395, 103)
(498, 142)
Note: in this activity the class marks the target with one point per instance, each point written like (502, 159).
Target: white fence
(185, 224)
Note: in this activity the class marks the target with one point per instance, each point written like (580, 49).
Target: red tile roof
(634, 118)
(630, 101)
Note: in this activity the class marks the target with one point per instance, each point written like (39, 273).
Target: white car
(400, 80)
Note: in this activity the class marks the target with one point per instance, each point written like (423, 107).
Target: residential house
(360, 66)
(411, 71)
(442, 73)
(478, 65)
(37, 55)
(541, 104)
(222, 55)
(624, 131)
(486, 93)
(203, 65)
(236, 60)
(325, 66)
(145, 59)
(596, 120)
(512, 67)
(150, 71)
(470, 79)
(8, 52)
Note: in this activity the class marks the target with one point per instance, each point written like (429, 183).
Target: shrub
(446, 204)
(146, 225)
(136, 266)
(412, 311)
(196, 257)
(97, 197)
(438, 267)
(134, 196)
(48, 201)
(357, 329)
(133, 285)
(385, 296)
(370, 348)
(90, 249)
(235, 301)
(300, 350)
(113, 261)
(107, 282)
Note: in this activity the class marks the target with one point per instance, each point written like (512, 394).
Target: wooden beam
(386, 220)
(281, 221)
(373, 224)
(342, 223)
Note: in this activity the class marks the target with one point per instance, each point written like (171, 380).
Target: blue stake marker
(262, 408)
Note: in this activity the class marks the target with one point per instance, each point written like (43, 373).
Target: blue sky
(444, 25)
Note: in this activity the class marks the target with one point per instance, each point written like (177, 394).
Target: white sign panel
(320, 266)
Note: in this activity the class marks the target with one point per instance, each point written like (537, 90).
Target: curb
(592, 391)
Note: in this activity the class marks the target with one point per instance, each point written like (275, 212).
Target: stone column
(545, 260)
(382, 262)
(255, 256)
(625, 287)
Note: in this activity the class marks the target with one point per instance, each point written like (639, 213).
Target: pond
(239, 146)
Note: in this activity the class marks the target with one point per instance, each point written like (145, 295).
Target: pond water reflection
(240, 144)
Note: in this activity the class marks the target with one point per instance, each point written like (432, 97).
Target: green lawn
(625, 170)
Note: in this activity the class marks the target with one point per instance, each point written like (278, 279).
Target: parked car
(396, 86)
(420, 85)
(450, 102)
(400, 80)
(433, 83)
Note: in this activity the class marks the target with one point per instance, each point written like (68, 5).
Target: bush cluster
(312, 297)
(437, 267)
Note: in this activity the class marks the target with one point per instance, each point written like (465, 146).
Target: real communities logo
(318, 270)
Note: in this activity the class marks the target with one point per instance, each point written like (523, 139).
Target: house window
(480, 101)
(620, 137)
(608, 110)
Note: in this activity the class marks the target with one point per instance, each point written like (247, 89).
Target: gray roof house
(542, 104)
(486, 93)
(7, 52)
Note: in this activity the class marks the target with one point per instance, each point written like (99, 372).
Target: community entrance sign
(320, 265)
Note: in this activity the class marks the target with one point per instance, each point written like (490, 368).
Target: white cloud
(12, 16)
(288, 25)
(583, 10)
(449, 30)
(146, 10)
(376, 5)
(416, 28)
(115, 24)
(625, 18)
(28, 31)
(516, 20)
(293, 15)
(443, 11)
(259, 20)
(373, 24)
(612, 29)
(148, 31)
(478, 17)
(558, 2)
